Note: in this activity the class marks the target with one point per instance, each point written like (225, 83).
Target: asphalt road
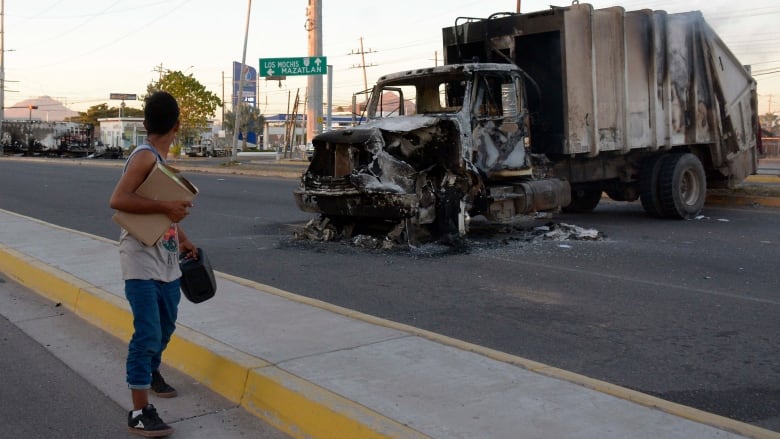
(684, 310)
(43, 398)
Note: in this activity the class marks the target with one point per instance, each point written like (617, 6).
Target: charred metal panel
(641, 79)
(580, 116)
(610, 78)
(359, 205)
(702, 99)
(662, 96)
(679, 73)
(735, 93)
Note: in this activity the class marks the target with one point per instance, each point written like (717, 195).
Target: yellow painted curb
(216, 365)
(106, 311)
(37, 276)
(303, 409)
(763, 179)
(743, 200)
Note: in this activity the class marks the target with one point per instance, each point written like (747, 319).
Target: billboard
(249, 93)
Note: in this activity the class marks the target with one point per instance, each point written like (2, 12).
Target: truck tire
(584, 198)
(682, 186)
(648, 185)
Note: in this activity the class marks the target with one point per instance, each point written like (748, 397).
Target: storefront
(123, 132)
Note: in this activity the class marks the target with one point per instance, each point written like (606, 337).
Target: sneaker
(148, 423)
(160, 387)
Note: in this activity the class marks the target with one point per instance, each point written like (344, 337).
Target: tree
(196, 104)
(770, 122)
(251, 120)
(102, 111)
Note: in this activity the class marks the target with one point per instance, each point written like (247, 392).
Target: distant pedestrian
(151, 273)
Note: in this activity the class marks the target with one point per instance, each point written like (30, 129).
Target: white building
(127, 132)
(123, 132)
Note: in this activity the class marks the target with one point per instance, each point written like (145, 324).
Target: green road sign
(312, 65)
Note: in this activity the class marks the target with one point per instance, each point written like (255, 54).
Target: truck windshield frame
(428, 95)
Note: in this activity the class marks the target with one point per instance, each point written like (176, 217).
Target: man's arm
(125, 199)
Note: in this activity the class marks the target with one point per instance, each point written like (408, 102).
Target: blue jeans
(155, 306)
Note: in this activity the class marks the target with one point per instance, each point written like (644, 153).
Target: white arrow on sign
(318, 62)
(270, 72)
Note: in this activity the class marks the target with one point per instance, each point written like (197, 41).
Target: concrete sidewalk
(315, 370)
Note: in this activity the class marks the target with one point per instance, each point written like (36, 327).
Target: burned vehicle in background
(541, 112)
(50, 139)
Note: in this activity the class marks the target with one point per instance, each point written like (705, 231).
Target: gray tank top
(157, 262)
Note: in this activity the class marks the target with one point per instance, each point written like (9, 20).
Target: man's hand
(177, 210)
(188, 249)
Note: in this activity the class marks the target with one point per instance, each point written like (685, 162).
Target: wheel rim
(690, 189)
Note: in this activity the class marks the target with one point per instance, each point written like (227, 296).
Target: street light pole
(237, 110)
(2, 65)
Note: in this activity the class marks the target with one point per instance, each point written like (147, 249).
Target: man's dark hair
(160, 112)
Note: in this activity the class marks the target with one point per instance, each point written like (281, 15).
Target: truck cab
(440, 145)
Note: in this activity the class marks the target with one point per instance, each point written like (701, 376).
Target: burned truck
(540, 112)
(50, 139)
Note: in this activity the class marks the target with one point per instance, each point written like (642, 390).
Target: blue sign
(249, 93)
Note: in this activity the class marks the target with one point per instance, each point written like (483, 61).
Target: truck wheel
(584, 198)
(682, 186)
(648, 185)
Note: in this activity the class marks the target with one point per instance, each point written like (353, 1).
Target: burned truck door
(499, 128)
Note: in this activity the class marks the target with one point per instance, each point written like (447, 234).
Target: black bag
(197, 278)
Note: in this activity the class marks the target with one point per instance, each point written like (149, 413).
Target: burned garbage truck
(540, 112)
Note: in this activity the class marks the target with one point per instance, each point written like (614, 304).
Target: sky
(81, 51)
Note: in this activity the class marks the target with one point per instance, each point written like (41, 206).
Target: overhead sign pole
(314, 89)
(122, 97)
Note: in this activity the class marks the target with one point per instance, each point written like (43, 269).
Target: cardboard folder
(163, 183)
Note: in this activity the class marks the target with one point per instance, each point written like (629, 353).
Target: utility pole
(314, 89)
(159, 69)
(362, 64)
(518, 6)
